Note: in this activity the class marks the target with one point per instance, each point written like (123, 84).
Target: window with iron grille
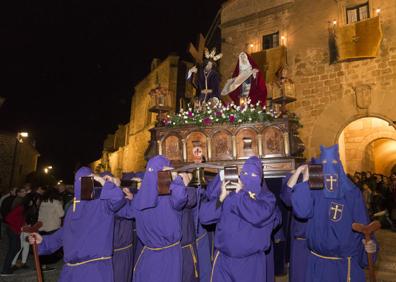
(357, 13)
(271, 40)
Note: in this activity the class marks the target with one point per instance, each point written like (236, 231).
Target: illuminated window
(357, 13)
(271, 41)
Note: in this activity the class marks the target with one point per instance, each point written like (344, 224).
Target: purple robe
(336, 251)
(158, 226)
(244, 224)
(189, 249)
(204, 237)
(299, 251)
(123, 251)
(87, 235)
(269, 254)
(207, 81)
(213, 82)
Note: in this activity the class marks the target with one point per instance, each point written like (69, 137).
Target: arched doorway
(368, 144)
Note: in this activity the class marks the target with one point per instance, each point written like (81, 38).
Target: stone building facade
(124, 150)
(331, 94)
(17, 160)
(334, 96)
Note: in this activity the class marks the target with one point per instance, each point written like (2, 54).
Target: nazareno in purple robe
(123, 246)
(158, 226)
(299, 251)
(204, 237)
(87, 235)
(189, 249)
(336, 252)
(137, 244)
(245, 221)
(277, 235)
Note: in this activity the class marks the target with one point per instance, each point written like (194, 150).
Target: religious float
(227, 131)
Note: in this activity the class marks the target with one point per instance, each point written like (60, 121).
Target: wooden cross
(198, 54)
(331, 180)
(368, 230)
(34, 229)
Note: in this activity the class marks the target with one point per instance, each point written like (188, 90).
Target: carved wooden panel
(172, 148)
(277, 166)
(246, 143)
(273, 143)
(194, 140)
(221, 145)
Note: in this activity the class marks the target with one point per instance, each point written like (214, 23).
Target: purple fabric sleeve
(127, 211)
(114, 196)
(286, 192)
(302, 201)
(178, 196)
(51, 243)
(191, 197)
(209, 213)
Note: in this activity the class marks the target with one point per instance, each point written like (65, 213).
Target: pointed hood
(78, 205)
(336, 182)
(252, 175)
(83, 171)
(148, 193)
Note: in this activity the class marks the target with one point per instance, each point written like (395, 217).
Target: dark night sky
(68, 68)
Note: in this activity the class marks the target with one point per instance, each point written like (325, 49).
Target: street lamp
(23, 135)
(47, 169)
(19, 139)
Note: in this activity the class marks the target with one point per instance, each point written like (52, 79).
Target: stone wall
(130, 157)
(25, 160)
(327, 93)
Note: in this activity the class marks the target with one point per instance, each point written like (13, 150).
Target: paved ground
(26, 275)
(386, 264)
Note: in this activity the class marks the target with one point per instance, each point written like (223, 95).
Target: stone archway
(368, 144)
(384, 155)
(328, 126)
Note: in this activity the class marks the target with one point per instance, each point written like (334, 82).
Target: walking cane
(32, 229)
(367, 230)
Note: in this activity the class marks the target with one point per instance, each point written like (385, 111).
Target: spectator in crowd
(379, 211)
(14, 219)
(50, 214)
(67, 196)
(367, 196)
(7, 199)
(371, 181)
(356, 180)
(31, 203)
